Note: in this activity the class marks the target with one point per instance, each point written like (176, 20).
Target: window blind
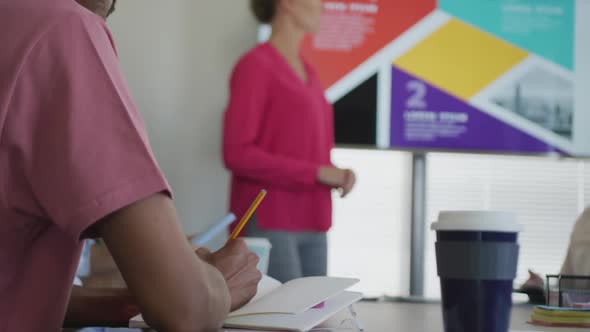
(547, 194)
(371, 234)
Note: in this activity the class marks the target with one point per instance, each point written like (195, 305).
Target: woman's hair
(112, 9)
(264, 10)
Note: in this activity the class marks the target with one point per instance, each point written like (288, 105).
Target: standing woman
(278, 134)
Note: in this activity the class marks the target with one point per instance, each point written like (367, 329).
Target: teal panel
(542, 27)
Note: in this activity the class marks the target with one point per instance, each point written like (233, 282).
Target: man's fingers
(203, 253)
(253, 258)
(236, 246)
(232, 259)
(247, 279)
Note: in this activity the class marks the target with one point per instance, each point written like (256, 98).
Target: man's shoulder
(26, 22)
(42, 13)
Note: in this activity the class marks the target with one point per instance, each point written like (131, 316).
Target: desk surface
(418, 317)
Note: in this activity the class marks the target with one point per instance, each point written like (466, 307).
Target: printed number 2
(418, 90)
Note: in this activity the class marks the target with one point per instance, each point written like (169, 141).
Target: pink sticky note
(320, 306)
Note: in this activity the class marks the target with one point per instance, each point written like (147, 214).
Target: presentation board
(501, 76)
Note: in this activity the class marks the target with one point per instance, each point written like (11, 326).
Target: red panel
(354, 30)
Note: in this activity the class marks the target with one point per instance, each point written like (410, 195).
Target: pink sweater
(278, 130)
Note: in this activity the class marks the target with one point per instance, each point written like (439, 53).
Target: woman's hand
(341, 179)
(349, 183)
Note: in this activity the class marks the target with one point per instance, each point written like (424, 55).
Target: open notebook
(298, 305)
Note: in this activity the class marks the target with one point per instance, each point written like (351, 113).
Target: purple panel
(425, 117)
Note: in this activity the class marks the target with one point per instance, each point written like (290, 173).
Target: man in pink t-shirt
(75, 162)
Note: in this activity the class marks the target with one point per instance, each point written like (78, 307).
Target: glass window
(371, 236)
(548, 195)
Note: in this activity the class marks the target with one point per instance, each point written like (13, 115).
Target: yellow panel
(461, 59)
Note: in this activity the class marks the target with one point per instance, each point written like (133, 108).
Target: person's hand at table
(237, 264)
(341, 179)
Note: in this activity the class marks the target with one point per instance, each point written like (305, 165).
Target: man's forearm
(100, 307)
(175, 289)
(114, 307)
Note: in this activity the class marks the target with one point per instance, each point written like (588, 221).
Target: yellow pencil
(247, 216)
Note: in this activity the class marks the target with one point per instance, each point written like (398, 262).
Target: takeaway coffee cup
(477, 256)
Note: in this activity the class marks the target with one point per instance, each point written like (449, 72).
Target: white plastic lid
(483, 221)
(257, 242)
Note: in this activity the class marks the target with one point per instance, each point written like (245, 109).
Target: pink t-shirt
(73, 149)
(278, 131)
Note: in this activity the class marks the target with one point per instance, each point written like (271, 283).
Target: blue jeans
(293, 254)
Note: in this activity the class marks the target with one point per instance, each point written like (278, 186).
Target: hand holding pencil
(236, 263)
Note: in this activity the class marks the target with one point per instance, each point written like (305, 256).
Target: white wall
(177, 56)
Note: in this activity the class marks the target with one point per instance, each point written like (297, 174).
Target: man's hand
(238, 266)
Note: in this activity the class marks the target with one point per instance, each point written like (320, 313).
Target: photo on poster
(541, 97)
